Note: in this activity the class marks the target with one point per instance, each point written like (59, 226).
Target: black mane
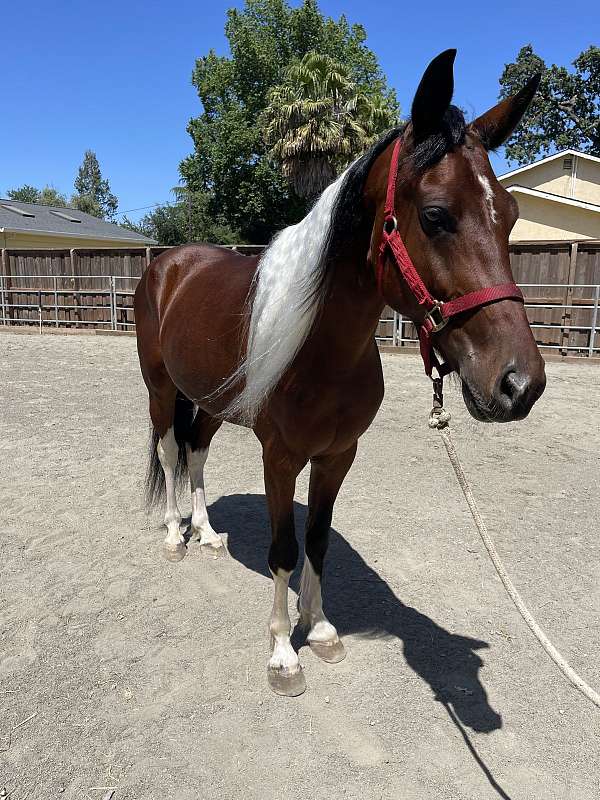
(348, 211)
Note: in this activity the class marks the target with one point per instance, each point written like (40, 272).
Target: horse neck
(353, 306)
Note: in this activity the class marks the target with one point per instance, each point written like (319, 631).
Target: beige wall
(34, 241)
(546, 177)
(541, 219)
(587, 181)
(551, 177)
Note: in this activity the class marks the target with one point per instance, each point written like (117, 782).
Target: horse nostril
(515, 386)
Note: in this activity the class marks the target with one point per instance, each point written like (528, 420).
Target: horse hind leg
(203, 429)
(174, 547)
(171, 415)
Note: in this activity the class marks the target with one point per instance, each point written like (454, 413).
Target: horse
(284, 343)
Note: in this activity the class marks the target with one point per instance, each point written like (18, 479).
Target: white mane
(285, 303)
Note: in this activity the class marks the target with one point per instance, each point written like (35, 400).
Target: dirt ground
(119, 669)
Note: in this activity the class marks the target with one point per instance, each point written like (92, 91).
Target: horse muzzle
(512, 398)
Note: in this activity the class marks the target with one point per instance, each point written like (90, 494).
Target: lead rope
(440, 419)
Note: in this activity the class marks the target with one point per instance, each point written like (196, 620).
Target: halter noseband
(437, 313)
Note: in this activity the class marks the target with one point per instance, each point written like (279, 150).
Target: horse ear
(496, 125)
(433, 96)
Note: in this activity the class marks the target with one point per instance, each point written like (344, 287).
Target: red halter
(437, 313)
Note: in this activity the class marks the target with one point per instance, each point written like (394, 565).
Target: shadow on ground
(358, 601)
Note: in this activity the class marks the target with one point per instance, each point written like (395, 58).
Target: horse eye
(435, 220)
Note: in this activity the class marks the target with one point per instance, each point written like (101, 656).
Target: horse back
(191, 309)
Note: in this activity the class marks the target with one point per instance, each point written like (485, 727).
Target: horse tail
(155, 477)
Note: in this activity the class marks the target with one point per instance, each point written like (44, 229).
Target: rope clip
(438, 417)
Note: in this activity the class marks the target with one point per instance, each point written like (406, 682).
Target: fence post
(55, 284)
(2, 298)
(3, 277)
(113, 304)
(74, 259)
(567, 311)
(594, 322)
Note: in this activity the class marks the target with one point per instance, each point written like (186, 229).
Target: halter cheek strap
(437, 313)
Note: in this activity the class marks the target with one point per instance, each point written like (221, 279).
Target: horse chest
(327, 414)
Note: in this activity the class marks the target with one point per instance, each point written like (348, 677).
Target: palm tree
(317, 122)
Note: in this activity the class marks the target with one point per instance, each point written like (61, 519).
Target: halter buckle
(436, 318)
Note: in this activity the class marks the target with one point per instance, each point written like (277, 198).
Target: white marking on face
(196, 459)
(311, 606)
(488, 193)
(284, 656)
(167, 455)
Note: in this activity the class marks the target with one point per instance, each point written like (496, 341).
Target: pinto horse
(284, 343)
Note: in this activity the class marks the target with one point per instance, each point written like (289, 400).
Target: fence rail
(402, 332)
(94, 288)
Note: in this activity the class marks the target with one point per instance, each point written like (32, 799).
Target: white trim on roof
(569, 201)
(561, 153)
(142, 241)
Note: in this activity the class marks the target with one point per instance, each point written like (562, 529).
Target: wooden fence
(82, 287)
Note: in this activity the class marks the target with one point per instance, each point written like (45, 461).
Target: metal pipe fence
(403, 332)
(56, 301)
(57, 307)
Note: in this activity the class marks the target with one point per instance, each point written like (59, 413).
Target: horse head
(454, 219)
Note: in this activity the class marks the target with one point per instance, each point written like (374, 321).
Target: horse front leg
(326, 477)
(284, 672)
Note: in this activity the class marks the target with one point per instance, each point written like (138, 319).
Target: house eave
(139, 242)
(568, 152)
(554, 198)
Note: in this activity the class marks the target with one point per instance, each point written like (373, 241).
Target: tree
(230, 163)
(318, 121)
(565, 113)
(24, 194)
(186, 220)
(48, 196)
(93, 191)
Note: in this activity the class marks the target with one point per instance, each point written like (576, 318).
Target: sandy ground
(131, 672)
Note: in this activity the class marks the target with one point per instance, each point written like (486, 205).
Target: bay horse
(284, 343)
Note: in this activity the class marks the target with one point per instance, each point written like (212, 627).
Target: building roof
(560, 154)
(17, 217)
(557, 198)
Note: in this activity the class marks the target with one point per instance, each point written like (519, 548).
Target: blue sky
(115, 76)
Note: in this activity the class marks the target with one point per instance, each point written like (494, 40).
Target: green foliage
(230, 163)
(318, 121)
(565, 112)
(48, 196)
(187, 220)
(24, 194)
(93, 195)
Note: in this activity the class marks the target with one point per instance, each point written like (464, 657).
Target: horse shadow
(358, 601)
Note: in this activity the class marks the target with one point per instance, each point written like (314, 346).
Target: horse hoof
(174, 552)
(286, 683)
(331, 652)
(212, 551)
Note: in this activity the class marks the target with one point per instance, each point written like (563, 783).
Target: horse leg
(326, 476)
(203, 429)
(284, 672)
(162, 413)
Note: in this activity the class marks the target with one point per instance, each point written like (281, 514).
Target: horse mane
(294, 272)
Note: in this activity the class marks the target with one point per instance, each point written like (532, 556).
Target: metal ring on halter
(394, 226)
